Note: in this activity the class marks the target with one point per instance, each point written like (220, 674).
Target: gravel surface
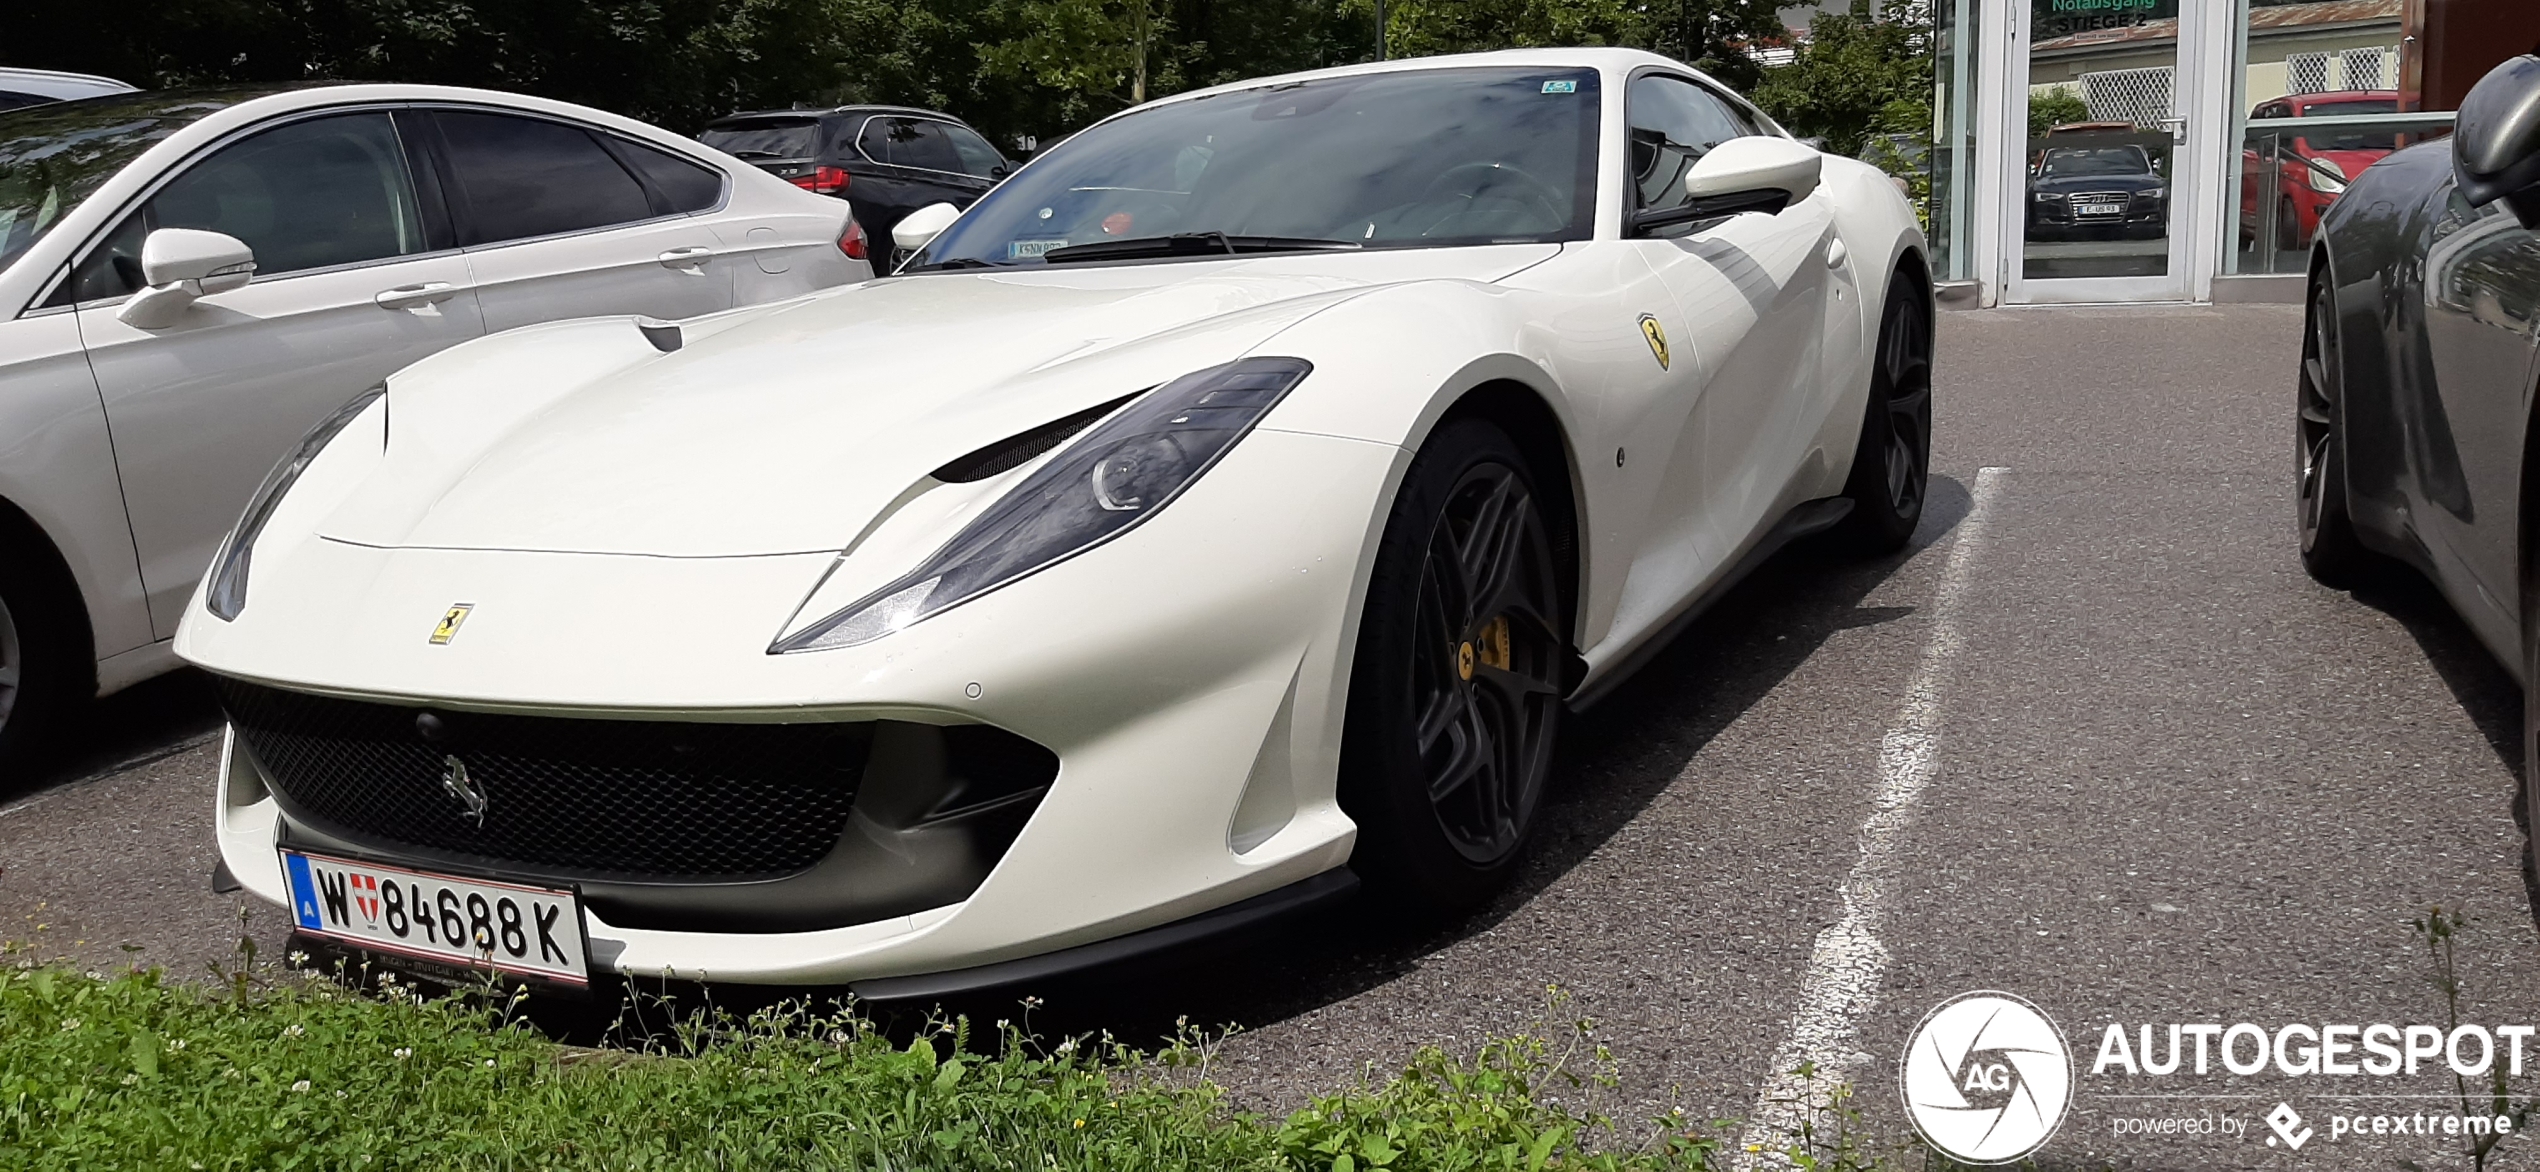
(2176, 782)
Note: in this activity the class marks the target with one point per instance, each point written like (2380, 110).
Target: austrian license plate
(2101, 209)
(468, 923)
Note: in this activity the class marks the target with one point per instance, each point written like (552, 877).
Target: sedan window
(524, 177)
(682, 185)
(306, 195)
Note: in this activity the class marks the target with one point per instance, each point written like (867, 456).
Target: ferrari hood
(786, 428)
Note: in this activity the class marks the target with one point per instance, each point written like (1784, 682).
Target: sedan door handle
(416, 296)
(692, 258)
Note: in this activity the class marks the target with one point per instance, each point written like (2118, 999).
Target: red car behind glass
(2313, 169)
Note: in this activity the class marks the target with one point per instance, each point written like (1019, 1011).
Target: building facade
(2179, 150)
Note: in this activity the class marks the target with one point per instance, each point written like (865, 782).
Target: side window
(523, 177)
(909, 142)
(977, 157)
(1675, 123)
(307, 195)
(684, 186)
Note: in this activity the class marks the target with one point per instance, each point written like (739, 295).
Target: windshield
(765, 140)
(54, 155)
(2357, 139)
(1411, 159)
(2121, 160)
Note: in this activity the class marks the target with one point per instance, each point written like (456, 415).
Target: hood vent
(1014, 451)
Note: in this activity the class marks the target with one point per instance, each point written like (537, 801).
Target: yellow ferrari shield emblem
(1657, 335)
(449, 628)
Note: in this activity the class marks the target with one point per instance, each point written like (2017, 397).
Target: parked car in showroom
(2103, 190)
(2416, 438)
(190, 279)
(29, 87)
(1225, 507)
(887, 160)
(2309, 168)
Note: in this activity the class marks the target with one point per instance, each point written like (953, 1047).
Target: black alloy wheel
(1455, 695)
(1891, 465)
(2329, 549)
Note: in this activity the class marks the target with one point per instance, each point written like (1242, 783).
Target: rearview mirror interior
(917, 228)
(1754, 174)
(183, 265)
(2496, 140)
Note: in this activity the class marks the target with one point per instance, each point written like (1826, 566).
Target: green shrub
(134, 1072)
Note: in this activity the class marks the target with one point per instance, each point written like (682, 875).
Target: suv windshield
(1409, 159)
(54, 155)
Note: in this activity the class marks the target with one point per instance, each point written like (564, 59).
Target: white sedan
(189, 280)
(1223, 509)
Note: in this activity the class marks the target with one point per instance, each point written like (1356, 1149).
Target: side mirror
(183, 265)
(1755, 174)
(2496, 140)
(919, 227)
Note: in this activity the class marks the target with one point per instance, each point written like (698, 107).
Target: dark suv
(887, 161)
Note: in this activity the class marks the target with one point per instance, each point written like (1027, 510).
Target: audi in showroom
(1222, 510)
(2415, 431)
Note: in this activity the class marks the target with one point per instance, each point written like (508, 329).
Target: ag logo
(1986, 1077)
(1657, 335)
(450, 620)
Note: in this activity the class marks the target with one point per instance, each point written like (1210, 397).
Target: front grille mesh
(620, 798)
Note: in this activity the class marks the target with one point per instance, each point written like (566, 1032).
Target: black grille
(626, 798)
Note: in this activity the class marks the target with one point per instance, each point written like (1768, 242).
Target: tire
(1455, 694)
(2288, 226)
(2527, 802)
(1891, 465)
(42, 668)
(2322, 525)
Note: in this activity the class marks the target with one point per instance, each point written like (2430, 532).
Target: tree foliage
(1011, 67)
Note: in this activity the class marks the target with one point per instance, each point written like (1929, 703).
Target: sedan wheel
(2329, 549)
(1455, 696)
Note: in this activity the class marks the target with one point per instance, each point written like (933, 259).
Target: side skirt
(1804, 519)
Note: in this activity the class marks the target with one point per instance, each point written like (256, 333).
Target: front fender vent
(1015, 451)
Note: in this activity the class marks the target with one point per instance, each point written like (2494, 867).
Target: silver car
(189, 280)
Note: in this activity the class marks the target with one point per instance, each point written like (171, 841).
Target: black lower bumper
(1322, 890)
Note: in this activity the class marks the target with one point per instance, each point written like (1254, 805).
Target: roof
(2280, 18)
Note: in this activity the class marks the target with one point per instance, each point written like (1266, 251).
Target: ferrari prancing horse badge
(449, 628)
(1657, 335)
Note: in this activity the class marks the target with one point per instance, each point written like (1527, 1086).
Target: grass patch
(133, 1072)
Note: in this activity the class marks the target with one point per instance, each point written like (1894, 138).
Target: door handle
(416, 296)
(691, 258)
(1836, 254)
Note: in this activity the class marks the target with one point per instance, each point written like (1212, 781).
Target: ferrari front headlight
(225, 595)
(1109, 480)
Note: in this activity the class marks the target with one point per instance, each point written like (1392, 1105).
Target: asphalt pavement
(2151, 774)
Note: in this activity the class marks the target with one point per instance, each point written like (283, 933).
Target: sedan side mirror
(1754, 174)
(916, 229)
(182, 266)
(2496, 140)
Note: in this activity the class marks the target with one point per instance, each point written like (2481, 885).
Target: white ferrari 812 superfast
(1222, 511)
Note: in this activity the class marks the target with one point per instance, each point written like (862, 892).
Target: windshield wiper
(755, 153)
(1192, 244)
(958, 262)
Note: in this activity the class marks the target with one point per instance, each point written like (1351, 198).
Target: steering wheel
(1485, 176)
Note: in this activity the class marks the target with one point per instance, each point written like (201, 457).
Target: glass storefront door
(2100, 95)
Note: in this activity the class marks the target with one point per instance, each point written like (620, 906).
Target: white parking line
(1842, 982)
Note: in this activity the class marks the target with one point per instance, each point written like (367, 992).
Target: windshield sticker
(1028, 249)
(1560, 87)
